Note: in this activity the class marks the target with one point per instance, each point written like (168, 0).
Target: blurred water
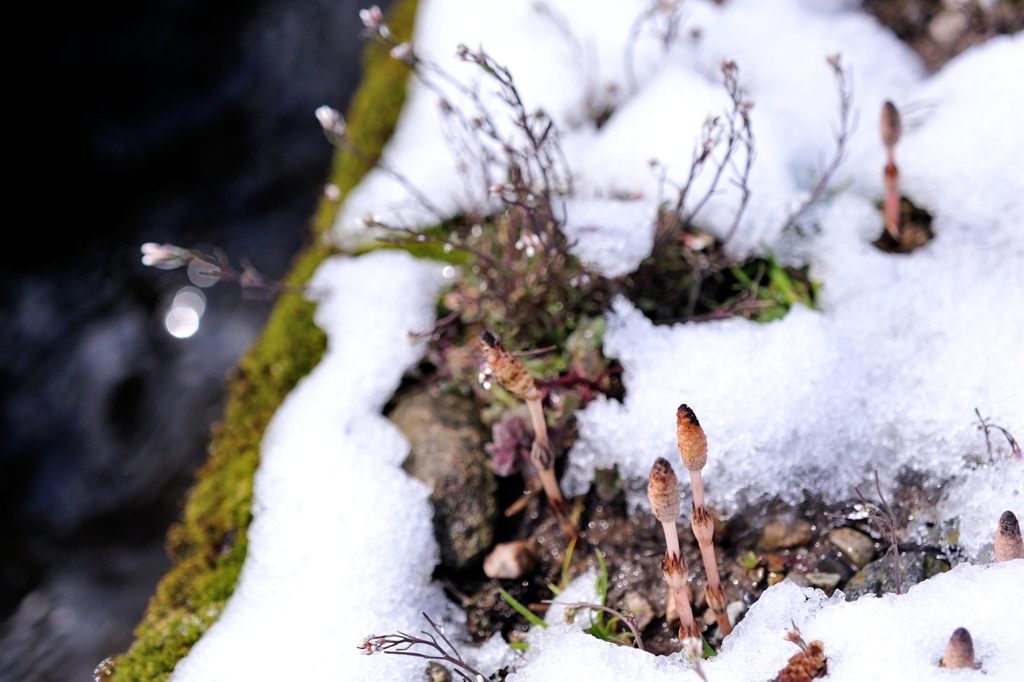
(187, 122)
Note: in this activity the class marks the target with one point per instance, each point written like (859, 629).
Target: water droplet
(448, 271)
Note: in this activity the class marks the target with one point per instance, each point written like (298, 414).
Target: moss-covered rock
(208, 545)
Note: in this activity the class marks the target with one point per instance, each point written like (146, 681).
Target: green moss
(208, 545)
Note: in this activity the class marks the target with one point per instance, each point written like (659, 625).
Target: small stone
(735, 611)
(438, 673)
(947, 27)
(447, 454)
(710, 617)
(509, 560)
(798, 578)
(783, 535)
(856, 546)
(641, 609)
(826, 582)
(878, 577)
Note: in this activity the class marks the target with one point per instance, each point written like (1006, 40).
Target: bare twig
(216, 267)
(671, 10)
(400, 644)
(847, 124)
(885, 522)
(628, 618)
(985, 425)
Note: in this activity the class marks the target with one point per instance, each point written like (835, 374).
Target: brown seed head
(959, 651)
(663, 491)
(891, 126)
(507, 368)
(693, 444)
(806, 665)
(1008, 543)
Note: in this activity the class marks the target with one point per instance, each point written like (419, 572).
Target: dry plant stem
(1009, 544)
(400, 644)
(510, 372)
(887, 525)
(960, 650)
(847, 124)
(628, 619)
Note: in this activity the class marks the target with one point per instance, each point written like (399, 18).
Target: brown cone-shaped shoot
(891, 128)
(693, 444)
(513, 375)
(891, 125)
(1008, 543)
(693, 448)
(960, 650)
(663, 492)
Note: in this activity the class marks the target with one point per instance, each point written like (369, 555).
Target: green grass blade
(526, 613)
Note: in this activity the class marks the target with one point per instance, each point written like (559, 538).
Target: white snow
(886, 376)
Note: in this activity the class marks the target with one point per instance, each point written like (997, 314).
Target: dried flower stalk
(513, 375)
(693, 448)
(808, 664)
(891, 128)
(960, 650)
(1008, 543)
(663, 492)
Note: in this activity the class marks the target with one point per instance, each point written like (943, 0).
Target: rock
(878, 577)
(438, 673)
(509, 560)
(735, 611)
(857, 547)
(826, 582)
(447, 454)
(798, 578)
(641, 609)
(782, 534)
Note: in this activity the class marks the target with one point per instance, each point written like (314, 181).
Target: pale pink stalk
(891, 128)
(693, 448)
(663, 492)
(513, 375)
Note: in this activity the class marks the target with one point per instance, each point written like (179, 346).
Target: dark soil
(938, 32)
(915, 230)
(759, 547)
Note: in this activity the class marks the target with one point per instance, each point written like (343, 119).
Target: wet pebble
(509, 560)
(826, 582)
(783, 535)
(856, 546)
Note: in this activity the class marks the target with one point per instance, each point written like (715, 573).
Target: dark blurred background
(184, 121)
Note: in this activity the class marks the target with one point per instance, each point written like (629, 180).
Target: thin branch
(629, 620)
(400, 644)
(844, 86)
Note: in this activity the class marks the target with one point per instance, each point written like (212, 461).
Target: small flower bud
(403, 53)
(331, 121)
(1008, 543)
(891, 125)
(959, 651)
(164, 256)
(693, 444)
(372, 18)
(663, 491)
(507, 368)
